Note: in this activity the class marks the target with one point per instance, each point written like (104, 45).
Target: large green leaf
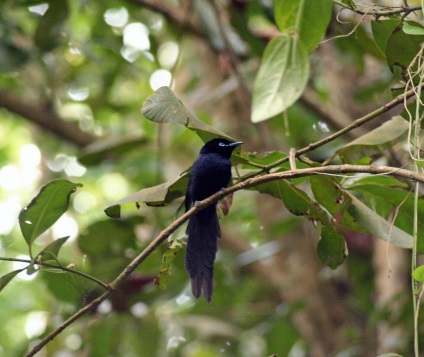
(387, 196)
(108, 246)
(164, 107)
(331, 247)
(46, 208)
(375, 141)
(159, 195)
(73, 289)
(295, 200)
(281, 79)
(402, 48)
(334, 199)
(314, 18)
(382, 30)
(377, 225)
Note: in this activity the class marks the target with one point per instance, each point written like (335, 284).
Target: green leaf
(375, 141)
(388, 196)
(108, 244)
(314, 19)
(46, 208)
(109, 149)
(402, 48)
(51, 252)
(113, 211)
(383, 181)
(334, 199)
(418, 274)
(331, 247)
(296, 201)
(164, 275)
(157, 196)
(47, 36)
(164, 107)
(382, 30)
(7, 278)
(70, 288)
(377, 225)
(281, 79)
(413, 28)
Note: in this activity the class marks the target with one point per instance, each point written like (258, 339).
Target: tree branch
(251, 182)
(171, 15)
(45, 117)
(406, 10)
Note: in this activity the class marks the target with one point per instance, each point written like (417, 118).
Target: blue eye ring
(222, 144)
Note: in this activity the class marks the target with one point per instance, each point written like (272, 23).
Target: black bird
(210, 173)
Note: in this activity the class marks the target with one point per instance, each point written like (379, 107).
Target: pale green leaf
(377, 225)
(412, 28)
(375, 141)
(164, 107)
(281, 79)
(418, 274)
(159, 195)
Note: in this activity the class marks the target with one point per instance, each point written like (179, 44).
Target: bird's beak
(235, 144)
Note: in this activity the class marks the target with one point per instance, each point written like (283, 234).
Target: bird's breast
(210, 173)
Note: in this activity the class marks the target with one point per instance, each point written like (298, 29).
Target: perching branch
(251, 182)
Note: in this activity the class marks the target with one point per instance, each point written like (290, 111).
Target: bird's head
(220, 146)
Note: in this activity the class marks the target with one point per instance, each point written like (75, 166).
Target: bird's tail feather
(203, 231)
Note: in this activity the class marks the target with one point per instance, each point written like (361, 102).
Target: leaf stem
(60, 267)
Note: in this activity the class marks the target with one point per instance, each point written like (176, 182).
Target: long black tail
(203, 232)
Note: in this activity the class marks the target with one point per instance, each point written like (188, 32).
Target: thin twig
(60, 267)
(383, 13)
(357, 123)
(251, 182)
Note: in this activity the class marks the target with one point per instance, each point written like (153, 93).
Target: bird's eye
(221, 144)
